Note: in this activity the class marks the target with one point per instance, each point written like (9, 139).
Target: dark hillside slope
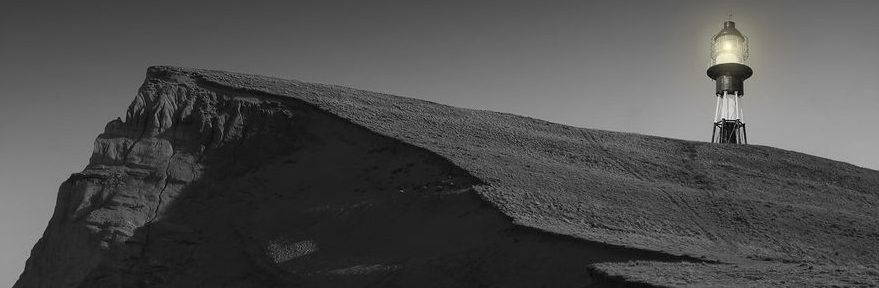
(633, 190)
(282, 182)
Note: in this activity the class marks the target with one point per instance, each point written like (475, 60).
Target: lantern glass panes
(729, 48)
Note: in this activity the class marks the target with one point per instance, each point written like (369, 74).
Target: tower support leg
(714, 132)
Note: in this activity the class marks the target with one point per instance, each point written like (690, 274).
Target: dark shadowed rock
(218, 179)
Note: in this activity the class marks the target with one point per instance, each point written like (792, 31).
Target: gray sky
(638, 66)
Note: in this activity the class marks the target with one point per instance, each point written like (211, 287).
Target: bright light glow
(728, 57)
(729, 49)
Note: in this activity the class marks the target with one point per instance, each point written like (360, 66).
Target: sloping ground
(719, 201)
(752, 274)
(224, 179)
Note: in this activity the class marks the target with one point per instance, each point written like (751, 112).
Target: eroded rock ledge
(171, 132)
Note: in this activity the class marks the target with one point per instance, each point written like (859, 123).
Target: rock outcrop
(217, 179)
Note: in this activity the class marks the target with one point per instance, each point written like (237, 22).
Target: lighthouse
(729, 52)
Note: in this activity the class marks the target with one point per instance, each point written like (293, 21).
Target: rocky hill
(218, 179)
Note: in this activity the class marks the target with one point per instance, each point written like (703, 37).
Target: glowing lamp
(729, 46)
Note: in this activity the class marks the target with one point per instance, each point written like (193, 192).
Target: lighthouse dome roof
(729, 28)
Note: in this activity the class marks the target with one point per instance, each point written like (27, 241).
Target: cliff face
(108, 217)
(228, 180)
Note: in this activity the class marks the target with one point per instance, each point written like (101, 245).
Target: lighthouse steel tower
(729, 51)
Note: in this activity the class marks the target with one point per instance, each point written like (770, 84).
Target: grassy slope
(744, 204)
